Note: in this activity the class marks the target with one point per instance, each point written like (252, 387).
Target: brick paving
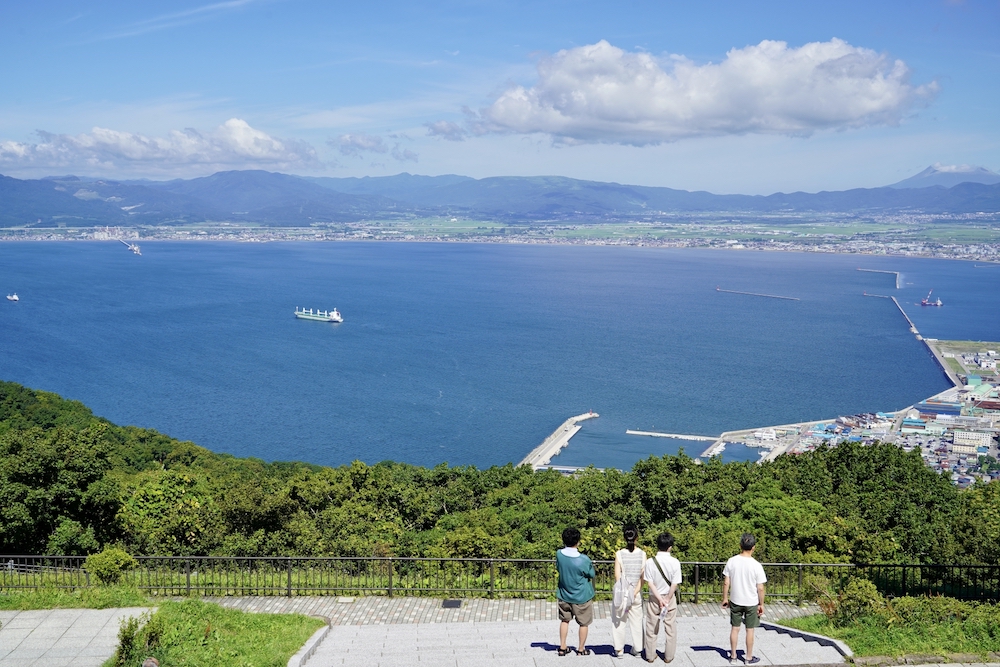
(403, 610)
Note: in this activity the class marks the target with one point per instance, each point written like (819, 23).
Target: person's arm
(725, 591)
(760, 599)
(618, 568)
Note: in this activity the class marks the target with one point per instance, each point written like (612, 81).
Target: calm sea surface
(472, 354)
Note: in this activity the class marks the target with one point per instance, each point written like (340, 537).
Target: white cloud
(446, 130)
(356, 144)
(600, 93)
(232, 144)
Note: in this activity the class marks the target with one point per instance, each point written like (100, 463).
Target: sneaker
(618, 654)
(754, 660)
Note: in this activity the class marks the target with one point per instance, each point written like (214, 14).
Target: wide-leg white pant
(628, 628)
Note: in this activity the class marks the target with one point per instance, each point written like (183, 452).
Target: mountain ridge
(276, 199)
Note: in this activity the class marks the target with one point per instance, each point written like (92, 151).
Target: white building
(973, 439)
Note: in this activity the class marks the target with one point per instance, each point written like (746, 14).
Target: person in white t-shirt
(743, 594)
(662, 573)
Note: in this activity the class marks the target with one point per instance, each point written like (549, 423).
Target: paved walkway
(60, 637)
(392, 632)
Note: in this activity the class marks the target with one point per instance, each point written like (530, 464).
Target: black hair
(571, 537)
(631, 534)
(664, 541)
(747, 541)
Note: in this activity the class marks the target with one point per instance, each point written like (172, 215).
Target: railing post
(288, 589)
(493, 590)
(904, 581)
(800, 584)
(390, 577)
(696, 573)
(187, 574)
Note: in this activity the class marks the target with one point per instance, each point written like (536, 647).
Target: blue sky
(721, 96)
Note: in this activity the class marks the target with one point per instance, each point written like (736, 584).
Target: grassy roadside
(97, 597)
(875, 637)
(193, 633)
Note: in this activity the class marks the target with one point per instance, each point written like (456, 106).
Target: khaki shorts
(583, 613)
(739, 615)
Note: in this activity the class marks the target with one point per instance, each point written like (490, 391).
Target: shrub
(859, 599)
(109, 565)
(128, 640)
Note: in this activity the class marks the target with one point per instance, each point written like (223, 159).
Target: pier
(895, 273)
(541, 455)
(913, 327)
(675, 436)
(769, 296)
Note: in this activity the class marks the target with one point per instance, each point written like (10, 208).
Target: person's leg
(752, 621)
(618, 627)
(583, 638)
(635, 623)
(563, 633)
(670, 630)
(652, 629)
(734, 636)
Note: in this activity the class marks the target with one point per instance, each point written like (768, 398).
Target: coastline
(894, 241)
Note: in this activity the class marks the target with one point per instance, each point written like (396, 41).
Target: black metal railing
(472, 577)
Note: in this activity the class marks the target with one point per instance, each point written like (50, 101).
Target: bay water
(473, 353)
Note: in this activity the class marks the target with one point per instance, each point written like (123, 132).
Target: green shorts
(740, 615)
(583, 613)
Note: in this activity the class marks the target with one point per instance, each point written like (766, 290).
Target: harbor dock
(541, 456)
(769, 296)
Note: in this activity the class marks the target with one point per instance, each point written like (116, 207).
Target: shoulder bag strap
(657, 564)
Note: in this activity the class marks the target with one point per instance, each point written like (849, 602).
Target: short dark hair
(664, 541)
(571, 537)
(747, 541)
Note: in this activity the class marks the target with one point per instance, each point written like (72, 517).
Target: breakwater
(769, 296)
(675, 436)
(895, 273)
(540, 456)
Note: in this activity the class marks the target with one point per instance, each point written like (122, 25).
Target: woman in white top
(629, 563)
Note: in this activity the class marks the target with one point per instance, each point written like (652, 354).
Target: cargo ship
(926, 301)
(319, 315)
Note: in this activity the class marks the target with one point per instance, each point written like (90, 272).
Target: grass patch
(97, 597)
(872, 636)
(193, 633)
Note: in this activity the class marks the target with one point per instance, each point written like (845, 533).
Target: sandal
(563, 651)
(585, 651)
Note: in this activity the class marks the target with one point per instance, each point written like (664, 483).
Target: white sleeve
(761, 576)
(678, 578)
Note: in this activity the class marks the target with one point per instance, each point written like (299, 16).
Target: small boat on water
(926, 301)
(13, 297)
(319, 315)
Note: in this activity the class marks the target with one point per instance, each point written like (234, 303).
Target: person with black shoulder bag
(662, 573)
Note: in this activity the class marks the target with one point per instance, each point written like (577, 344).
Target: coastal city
(955, 431)
(973, 237)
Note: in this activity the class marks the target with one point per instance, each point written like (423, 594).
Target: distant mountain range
(949, 176)
(281, 200)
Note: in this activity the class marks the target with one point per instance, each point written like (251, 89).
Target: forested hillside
(71, 483)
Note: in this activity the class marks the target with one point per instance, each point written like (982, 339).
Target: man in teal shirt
(576, 590)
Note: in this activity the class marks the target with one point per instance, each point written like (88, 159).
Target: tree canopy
(72, 483)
